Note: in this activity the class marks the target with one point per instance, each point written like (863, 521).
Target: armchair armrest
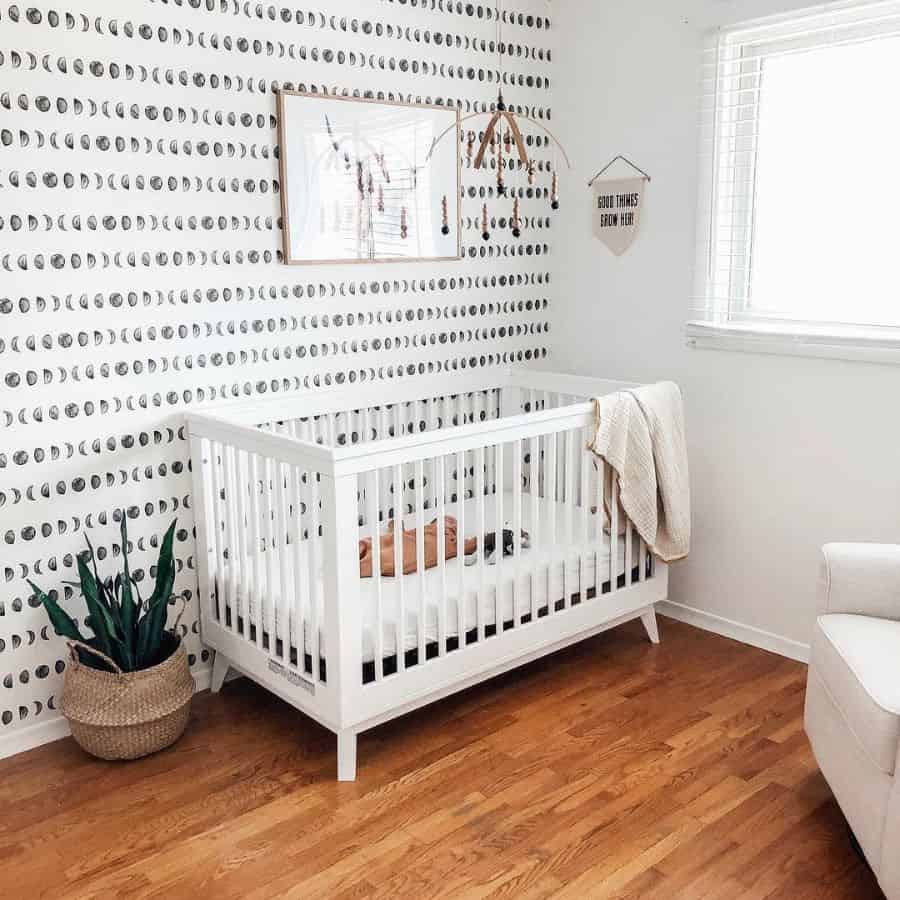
(889, 873)
(860, 578)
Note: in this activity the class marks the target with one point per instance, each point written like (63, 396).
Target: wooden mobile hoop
(499, 142)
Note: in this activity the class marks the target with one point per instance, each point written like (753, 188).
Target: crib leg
(220, 670)
(346, 753)
(649, 620)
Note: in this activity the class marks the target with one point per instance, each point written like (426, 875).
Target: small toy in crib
(490, 546)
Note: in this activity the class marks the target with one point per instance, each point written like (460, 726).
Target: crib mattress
(466, 598)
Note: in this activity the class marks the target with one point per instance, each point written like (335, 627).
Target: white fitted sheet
(552, 568)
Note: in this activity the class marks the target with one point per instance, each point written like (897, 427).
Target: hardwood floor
(614, 769)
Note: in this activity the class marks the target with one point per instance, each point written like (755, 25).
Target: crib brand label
(617, 211)
(293, 677)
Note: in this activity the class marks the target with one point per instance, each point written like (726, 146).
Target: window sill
(880, 345)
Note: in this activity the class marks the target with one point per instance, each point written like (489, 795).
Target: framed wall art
(363, 180)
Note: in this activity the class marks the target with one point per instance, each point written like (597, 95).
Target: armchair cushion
(858, 660)
(860, 578)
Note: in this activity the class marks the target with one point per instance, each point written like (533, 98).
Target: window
(800, 187)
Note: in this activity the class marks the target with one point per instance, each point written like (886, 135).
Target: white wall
(786, 453)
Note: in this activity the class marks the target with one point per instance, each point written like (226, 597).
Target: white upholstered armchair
(853, 697)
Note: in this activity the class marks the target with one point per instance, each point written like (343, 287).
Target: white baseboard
(22, 739)
(30, 736)
(746, 634)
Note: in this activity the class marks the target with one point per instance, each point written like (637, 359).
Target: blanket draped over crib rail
(640, 434)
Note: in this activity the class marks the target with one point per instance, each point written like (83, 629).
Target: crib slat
(400, 625)
(553, 441)
(234, 557)
(469, 455)
(400, 484)
(642, 558)
(202, 449)
(499, 566)
(469, 480)
(295, 615)
(234, 554)
(372, 493)
(314, 560)
(227, 571)
(517, 527)
(222, 576)
(628, 552)
(569, 438)
(613, 531)
(385, 500)
(419, 476)
(479, 512)
(305, 431)
(257, 598)
(302, 560)
(481, 415)
(462, 625)
(439, 480)
(268, 597)
(431, 465)
(281, 550)
(598, 499)
(241, 538)
(446, 416)
(534, 486)
(583, 545)
(215, 581)
(285, 553)
(294, 550)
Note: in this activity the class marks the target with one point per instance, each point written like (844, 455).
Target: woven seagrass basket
(126, 715)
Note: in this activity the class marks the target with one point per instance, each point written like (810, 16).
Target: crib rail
(361, 458)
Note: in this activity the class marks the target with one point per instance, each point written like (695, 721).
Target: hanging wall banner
(617, 211)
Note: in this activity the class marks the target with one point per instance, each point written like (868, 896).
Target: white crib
(285, 489)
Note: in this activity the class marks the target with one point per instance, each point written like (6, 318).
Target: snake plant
(127, 629)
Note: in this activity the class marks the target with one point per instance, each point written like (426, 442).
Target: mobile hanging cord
(624, 160)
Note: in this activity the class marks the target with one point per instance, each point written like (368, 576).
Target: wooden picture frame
(331, 156)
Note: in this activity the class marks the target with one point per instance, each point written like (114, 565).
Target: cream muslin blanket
(640, 435)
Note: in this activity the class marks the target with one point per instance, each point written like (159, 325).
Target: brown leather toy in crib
(386, 542)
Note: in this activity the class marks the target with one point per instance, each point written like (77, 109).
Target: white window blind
(799, 229)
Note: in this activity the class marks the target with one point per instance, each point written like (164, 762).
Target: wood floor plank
(614, 769)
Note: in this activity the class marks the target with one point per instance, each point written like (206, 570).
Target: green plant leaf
(104, 595)
(129, 611)
(153, 622)
(165, 567)
(101, 622)
(110, 596)
(137, 593)
(61, 621)
(97, 578)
